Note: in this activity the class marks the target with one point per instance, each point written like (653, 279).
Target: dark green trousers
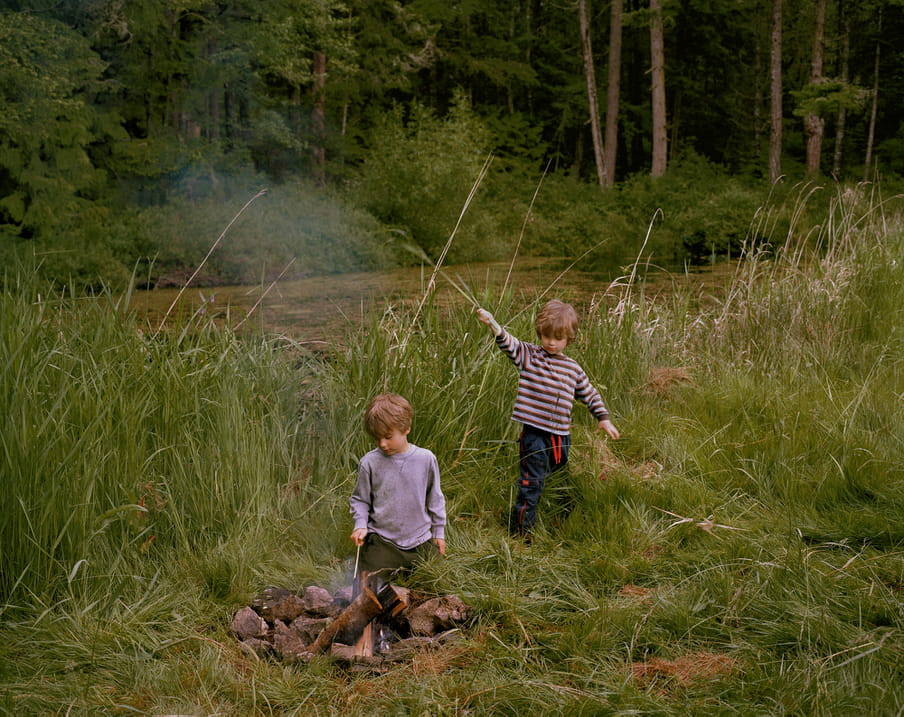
(379, 554)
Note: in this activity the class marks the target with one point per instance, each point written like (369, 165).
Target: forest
(132, 132)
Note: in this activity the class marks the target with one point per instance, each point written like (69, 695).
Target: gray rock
(261, 648)
(343, 597)
(437, 615)
(278, 604)
(344, 652)
(246, 624)
(317, 601)
(308, 628)
(406, 649)
(288, 644)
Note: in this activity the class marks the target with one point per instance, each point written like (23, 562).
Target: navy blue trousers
(541, 453)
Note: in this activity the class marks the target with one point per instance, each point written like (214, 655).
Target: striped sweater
(547, 386)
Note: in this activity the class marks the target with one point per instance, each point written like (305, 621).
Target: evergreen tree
(49, 80)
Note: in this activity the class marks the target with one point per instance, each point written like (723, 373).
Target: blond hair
(388, 412)
(557, 319)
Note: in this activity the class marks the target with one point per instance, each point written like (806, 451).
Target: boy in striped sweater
(548, 383)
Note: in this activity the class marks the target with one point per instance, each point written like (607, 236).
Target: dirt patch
(683, 671)
(610, 464)
(663, 381)
(635, 591)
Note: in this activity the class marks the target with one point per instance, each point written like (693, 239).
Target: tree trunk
(318, 118)
(842, 110)
(814, 125)
(590, 77)
(775, 109)
(295, 111)
(871, 134)
(614, 88)
(512, 33)
(657, 61)
(528, 50)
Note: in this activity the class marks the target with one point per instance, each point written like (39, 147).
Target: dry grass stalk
(707, 524)
(431, 283)
(524, 227)
(204, 260)
(264, 295)
(620, 309)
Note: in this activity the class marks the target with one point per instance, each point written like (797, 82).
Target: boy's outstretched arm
(610, 429)
(487, 318)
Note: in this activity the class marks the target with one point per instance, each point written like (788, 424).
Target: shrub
(419, 170)
(705, 211)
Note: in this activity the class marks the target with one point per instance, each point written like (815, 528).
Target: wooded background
(112, 108)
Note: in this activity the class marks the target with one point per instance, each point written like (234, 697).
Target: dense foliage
(112, 109)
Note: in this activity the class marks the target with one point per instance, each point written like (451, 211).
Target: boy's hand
(487, 318)
(358, 536)
(441, 544)
(607, 426)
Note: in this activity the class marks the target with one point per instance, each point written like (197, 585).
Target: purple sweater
(399, 497)
(547, 386)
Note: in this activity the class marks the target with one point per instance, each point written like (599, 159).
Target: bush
(419, 171)
(705, 211)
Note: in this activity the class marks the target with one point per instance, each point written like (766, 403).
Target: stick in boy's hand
(487, 318)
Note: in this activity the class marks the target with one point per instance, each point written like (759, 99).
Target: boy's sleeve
(511, 347)
(359, 503)
(588, 395)
(436, 501)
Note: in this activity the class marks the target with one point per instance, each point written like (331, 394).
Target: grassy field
(739, 551)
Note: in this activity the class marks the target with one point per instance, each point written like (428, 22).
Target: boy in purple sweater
(397, 504)
(548, 383)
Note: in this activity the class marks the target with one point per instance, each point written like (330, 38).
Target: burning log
(352, 621)
(393, 599)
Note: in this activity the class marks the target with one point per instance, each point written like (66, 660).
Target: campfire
(372, 624)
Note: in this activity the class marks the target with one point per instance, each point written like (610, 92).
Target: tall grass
(750, 517)
(119, 449)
